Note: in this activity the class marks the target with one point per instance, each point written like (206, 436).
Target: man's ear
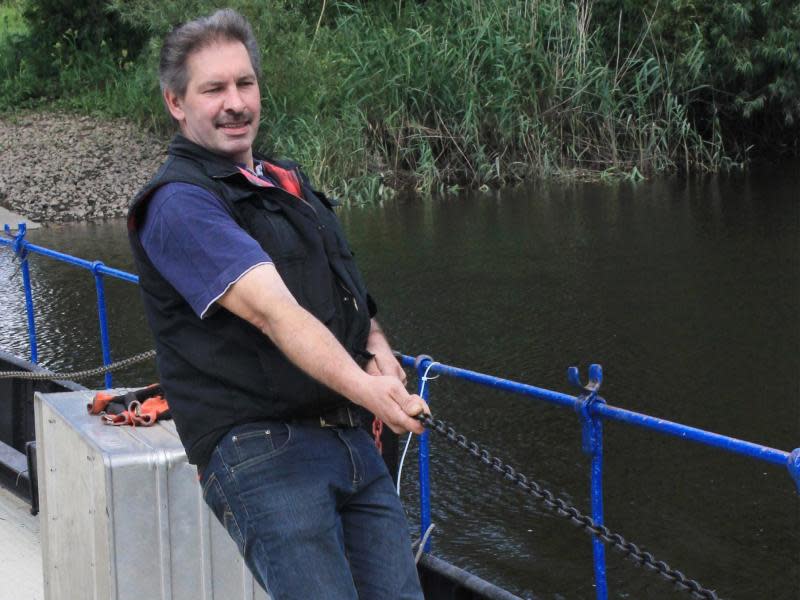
(174, 105)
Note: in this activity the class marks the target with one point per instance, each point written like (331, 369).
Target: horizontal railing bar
(606, 411)
(500, 383)
(731, 444)
(74, 260)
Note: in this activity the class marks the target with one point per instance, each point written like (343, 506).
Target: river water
(686, 291)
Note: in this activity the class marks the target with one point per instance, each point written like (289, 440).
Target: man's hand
(386, 397)
(384, 366)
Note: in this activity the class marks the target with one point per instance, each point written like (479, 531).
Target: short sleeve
(196, 245)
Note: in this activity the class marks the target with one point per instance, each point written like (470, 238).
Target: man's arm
(261, 298)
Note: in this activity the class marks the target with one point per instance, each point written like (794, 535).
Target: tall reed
(491, 92)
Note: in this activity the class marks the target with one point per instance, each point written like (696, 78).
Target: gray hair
(189, 37)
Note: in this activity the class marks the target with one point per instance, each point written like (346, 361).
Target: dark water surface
(688, 294)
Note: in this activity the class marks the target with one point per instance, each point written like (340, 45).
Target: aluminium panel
(122, 516)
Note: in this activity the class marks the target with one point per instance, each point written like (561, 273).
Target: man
(260, 316)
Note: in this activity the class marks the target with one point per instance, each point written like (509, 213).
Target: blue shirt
(196, 245)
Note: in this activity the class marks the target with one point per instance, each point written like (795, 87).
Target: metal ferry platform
(20, 552)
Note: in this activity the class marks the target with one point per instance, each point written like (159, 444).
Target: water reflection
(13, 322)
(65, 303)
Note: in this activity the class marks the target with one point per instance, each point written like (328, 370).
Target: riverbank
(58, 167)
(373, 98)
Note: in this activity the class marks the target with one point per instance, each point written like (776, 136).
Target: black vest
(221, 371)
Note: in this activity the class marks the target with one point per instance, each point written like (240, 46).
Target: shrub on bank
(743, 55)
(387, 94)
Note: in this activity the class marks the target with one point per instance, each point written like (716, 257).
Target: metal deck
(20, 553)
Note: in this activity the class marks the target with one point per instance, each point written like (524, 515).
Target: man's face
(222, 104)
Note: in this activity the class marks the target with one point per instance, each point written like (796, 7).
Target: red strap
(377, 430)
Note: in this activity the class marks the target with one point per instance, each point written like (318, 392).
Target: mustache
(235, 118)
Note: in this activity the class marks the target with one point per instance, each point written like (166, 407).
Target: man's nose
(234, 101)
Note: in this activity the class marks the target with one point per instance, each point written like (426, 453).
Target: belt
(342, 416)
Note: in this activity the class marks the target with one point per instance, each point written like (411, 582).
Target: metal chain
(75, 375)
(563, 509)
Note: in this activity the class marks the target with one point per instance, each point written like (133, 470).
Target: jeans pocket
(218, 503)
(257, 445)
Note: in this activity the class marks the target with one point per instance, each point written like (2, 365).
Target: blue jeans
(313, 511)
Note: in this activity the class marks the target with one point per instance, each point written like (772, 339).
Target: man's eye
(245, 83)
(213, 90)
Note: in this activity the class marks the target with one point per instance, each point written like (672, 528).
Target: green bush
(740, 61)
(64, 50)
(84, 25)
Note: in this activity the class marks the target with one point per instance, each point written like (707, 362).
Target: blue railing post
(101, 314)
(21, 250)
(793, 464)
(592, 444)
(421, 363)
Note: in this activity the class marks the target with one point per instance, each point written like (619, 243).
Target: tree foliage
(86, 25)
(741, 59)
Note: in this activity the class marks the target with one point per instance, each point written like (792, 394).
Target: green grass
(11, 20)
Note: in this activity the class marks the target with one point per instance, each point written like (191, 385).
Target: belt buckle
(338, 422)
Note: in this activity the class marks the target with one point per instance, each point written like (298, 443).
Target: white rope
(424, 380)
(423, 541)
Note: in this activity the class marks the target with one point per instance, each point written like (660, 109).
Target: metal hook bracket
(421, 359)
(19, 246)
(19, 239)
(591, 431)
(96, 266)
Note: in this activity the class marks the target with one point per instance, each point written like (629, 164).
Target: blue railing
(591, 408)
(22, 248)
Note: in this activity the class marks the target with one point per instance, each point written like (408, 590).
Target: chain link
(567, 511)
(76, 375)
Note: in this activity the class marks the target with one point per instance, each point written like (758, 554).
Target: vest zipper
(296, 172)
(348, 293)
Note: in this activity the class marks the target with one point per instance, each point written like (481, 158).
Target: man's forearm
(377, 338)
(313, 348)
(383, 361)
